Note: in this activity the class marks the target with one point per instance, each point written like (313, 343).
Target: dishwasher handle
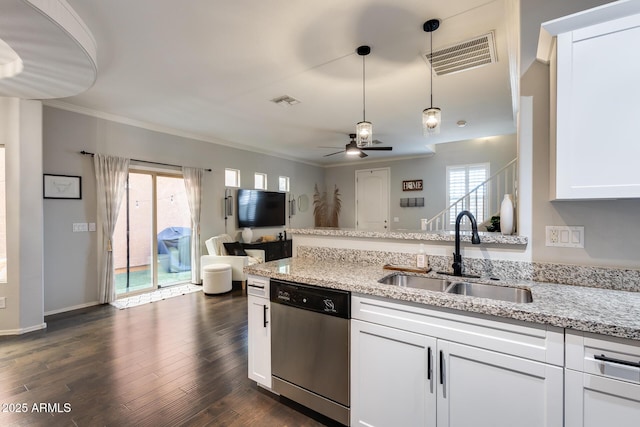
(604, 358)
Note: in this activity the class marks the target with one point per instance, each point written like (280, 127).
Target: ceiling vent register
(285, 100)
(464, 56)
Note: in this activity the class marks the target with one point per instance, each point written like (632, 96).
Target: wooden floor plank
(176, 362)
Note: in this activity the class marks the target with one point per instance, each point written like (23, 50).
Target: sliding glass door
(153, 234)
(174, 231)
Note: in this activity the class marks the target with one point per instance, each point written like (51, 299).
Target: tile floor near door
(176, 362)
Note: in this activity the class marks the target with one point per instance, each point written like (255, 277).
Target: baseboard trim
(75, 307)
(21, 331)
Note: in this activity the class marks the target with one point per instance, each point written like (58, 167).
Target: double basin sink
(482, 290)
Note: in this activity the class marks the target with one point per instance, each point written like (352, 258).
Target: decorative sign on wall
(412, 185)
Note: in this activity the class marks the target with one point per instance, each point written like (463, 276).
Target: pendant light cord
(364, 116)
(431, 65)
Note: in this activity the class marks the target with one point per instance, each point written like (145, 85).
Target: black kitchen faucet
(475, 239)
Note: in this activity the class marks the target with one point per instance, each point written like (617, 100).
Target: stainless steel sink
(419, 282)
(501, 293)
(481, 290)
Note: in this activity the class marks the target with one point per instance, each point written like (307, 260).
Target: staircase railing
(483, 201)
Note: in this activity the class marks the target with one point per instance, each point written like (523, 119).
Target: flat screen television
(258, 208)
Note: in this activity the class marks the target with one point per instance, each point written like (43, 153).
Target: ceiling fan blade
(362, 155)
(377, 148)
(337, 152)
(377, 141)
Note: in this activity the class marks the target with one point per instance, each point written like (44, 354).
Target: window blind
(462, 179)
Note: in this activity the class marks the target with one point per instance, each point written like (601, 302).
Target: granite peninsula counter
(602, 311)
(410, 235)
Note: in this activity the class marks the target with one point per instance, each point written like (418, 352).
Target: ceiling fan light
(431, 118)
(352, 151)
(364, 134)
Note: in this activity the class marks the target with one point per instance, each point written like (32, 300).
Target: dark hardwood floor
(176, 362)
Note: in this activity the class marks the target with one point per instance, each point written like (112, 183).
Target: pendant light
(364, 129)
(431, 117)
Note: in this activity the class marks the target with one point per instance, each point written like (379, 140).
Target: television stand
(277, 249)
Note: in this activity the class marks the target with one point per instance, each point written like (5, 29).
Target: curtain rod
(86, 153)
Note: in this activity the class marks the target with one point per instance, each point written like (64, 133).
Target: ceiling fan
(352, 149)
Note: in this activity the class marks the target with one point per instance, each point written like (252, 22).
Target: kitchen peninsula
(425, 352)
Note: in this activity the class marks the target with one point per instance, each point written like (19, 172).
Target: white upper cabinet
(594, 133)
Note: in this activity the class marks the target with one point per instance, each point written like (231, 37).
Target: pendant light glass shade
(431, 119)
(364, 129)
(432, 116)
(364, 134)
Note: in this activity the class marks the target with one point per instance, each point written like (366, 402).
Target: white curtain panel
(193, 184)
(111, 177)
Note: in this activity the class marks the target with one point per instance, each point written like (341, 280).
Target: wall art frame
(62, 187)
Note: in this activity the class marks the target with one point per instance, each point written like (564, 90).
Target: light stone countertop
(442, 236)
(602, 311)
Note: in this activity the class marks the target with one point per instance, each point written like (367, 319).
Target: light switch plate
(80, 227)
(564, 236)
(3, 302)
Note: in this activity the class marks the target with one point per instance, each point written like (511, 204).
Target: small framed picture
(62, 187)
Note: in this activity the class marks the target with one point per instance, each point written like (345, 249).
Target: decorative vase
(247, 235)
(506, 215)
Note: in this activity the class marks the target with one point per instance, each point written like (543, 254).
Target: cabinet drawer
(603, 356)
(596, 401)
(258, 286)
(541, 343)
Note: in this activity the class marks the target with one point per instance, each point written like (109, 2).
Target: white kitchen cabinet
(594, 401)
(602, 381)
(259, 330)
(596, 92)
(478, 387)
(392, 377)
(406, 368)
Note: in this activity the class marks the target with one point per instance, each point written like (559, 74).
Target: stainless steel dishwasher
(310, 347)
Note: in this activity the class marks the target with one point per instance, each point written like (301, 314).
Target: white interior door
(372, 199)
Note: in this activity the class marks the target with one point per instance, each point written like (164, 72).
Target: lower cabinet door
(592, 400)
(479, 387)
(392, 377)
(259, 340)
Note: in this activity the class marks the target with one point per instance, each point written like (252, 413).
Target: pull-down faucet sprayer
(475, 239)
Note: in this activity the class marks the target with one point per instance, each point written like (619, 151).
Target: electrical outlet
(92, 226)
(3, 302)
(565, 236)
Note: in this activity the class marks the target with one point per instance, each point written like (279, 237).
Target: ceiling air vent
(464, 56)
(285, 100)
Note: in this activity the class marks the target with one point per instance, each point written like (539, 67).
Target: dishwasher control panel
(333, 302)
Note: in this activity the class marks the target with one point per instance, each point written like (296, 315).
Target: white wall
(71, 274)
(498, 151)
(21, 133)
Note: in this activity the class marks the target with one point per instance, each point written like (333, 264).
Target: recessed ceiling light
(461, 123)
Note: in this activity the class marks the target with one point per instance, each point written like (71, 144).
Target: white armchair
(217, 254)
